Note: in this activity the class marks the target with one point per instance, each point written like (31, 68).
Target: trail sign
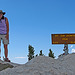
(63, 38)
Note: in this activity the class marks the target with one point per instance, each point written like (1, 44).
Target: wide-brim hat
(2, 12)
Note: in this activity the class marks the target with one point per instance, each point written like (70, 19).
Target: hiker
(4, 34)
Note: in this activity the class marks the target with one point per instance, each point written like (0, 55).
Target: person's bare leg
(0, 48)
(6, 50)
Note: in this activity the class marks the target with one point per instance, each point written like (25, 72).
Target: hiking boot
(6, 59)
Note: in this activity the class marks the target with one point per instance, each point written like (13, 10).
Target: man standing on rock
(4, 34)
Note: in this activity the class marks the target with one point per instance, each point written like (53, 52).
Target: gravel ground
(43, 65)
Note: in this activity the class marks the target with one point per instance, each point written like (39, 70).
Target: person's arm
(7, 24)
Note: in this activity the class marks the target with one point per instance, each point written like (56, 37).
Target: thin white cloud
(71, 46)
(20, 57)
(73, 50)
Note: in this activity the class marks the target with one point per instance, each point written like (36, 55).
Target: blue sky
(33, 21)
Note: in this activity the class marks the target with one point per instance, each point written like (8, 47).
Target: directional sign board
(63, 38)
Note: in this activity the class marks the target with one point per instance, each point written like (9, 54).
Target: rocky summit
(42, 65)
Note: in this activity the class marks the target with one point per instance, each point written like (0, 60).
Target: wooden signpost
(63, 39)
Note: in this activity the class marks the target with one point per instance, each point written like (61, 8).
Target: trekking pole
(2, 53)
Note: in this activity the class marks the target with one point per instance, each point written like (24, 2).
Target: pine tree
(36, 55)
(31, 52)
(41, 53)
(51, 54)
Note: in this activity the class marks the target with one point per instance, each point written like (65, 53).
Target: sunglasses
(1, 13)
